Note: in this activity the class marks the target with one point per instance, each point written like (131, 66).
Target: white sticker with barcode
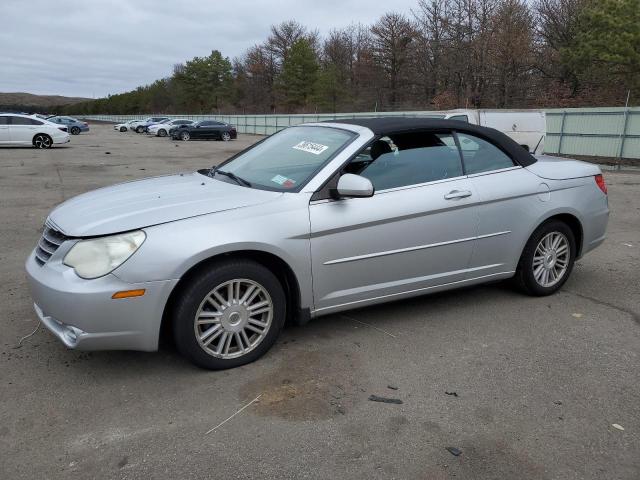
(310, 147)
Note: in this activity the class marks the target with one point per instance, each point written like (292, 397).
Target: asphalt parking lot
(526, 388)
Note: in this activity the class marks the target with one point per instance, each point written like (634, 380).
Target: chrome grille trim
(48, 244)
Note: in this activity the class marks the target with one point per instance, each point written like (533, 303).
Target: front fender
(280, 228)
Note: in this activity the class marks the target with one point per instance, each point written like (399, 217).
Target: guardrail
(602, 132)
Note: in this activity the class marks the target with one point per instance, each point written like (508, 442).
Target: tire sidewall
(75, 131)
(525, 266)
(194, 292)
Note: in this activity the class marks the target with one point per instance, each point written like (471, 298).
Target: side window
(460, 118)
(481, 156)
(23, 121)
(409, 159)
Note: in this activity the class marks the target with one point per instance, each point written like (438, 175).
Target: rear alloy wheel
(42, 141)
(162, 132)
(75, 131)
(229, 316)
(226, 136)
(184, 136)
(139, 129)
(547, 259)
(123, 129)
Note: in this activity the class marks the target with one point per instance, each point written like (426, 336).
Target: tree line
(444, 54)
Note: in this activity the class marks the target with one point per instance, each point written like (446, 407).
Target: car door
(509, 202)
(4, 129)
(22, 129)
(416, 232)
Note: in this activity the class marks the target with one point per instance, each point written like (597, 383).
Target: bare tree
(392, 36)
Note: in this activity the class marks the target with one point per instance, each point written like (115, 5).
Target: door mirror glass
(354, 186)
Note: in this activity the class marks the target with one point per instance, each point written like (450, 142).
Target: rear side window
(24, 121)
(481, 156)
(460, 118)
(411, 159)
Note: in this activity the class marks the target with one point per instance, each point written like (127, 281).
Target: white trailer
(527, 127)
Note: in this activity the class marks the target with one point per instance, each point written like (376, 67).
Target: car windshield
(289, 158)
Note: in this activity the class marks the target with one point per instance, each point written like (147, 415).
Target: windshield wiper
(232, 176)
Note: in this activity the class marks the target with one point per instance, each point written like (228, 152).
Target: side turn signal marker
(128, 293)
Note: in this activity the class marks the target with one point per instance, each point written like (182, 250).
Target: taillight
(600, 182)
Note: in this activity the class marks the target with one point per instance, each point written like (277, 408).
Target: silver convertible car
(312, 220)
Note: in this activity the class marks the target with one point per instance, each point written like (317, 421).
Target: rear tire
(185, 136)
(162, 132)
(547, 259)
(123, 129)
(75, 131)
(225, 137)
(42, 140)
(229, 315)
(139, 129)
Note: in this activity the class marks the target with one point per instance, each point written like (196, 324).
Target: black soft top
(391, 125)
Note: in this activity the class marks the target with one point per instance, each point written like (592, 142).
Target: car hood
(142, 203)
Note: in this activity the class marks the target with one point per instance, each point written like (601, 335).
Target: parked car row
(180, 128)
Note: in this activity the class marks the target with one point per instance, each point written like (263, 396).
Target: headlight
(99, 256)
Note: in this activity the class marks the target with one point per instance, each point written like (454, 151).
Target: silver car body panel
(346, 253)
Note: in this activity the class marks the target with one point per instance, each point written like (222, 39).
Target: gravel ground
(525, 388)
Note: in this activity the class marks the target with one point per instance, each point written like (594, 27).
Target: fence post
(564, 114)
(623, 134)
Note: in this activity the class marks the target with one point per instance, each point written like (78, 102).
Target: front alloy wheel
(184, 136)
(233, 318)
(226, 136)
(229, 315)
(162, 132)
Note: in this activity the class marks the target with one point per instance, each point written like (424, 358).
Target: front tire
(185, 137)
(226, 136)
(162, 132)
(42, 141)
(139, 129)
(547, 259)
(230, 315)
(123, 129)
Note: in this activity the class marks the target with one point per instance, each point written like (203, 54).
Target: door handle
(454, 194)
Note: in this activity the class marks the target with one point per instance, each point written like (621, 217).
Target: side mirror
(354, 186)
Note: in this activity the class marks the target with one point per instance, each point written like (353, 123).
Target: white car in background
(526, 127)
(162, 129)
(16, 129)
(123, 127)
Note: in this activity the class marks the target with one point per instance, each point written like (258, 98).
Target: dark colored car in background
(206, 130)
(74, 126)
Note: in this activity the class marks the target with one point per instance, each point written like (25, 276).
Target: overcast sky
(94, 48)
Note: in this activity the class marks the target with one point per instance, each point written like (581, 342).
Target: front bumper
(82, 314)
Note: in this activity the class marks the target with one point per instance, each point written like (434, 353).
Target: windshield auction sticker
(284, 181)
(310, 147)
